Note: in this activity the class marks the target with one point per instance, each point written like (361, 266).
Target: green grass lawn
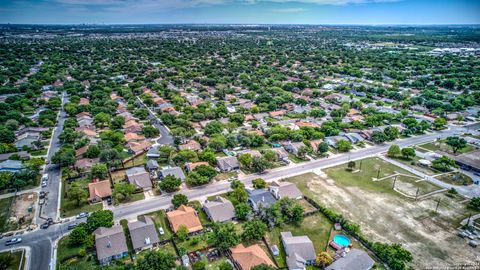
(140, 160)
(215, 265)
(316, 227)
(442, 146)
(295, 159)
(160, 219)
(196, 242)
(369, 170)
(69, 208)
(68, 257)
(201, 214)
(133, 198)
(16, 259)
(424, 169)
(5, 205)
(40, 152)
(456, 178)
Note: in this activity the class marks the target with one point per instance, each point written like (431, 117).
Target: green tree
(323, 259)
(77, 194)
(64, 157)
(93, 151)
(5, 179)
(179, 199)
(196, 179)
(100, 218)
(209, 156)
(240, 194)
(123, 191)
(150, 131)
(439, 123)
(206, 171)
(259, 183)
(225, 235)
(170, 183)
(443, 164)
(263, 267)
(213, 127)
(408, 152)
(259, 164)
(160, 260)
(394, 151)
(242, 211)
(344, 145)
(379, 137)
(245, 160)
(475, 203)
(6, 135)
(101, 119)
(79, 235)
(456, 143)
(254, 230)
(322, 148)
(99, 170)
(182, 233)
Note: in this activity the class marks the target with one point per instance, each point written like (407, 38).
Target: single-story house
(191, 166)
(281, 153)
(99, 191)
(86, 163)
(143, 233)
(219, 210)
(356, 259)
(174, 171)
(293, 147)
(153, 152)
(28, 140)
(285, 189)
(227, 164)
(245, 258)
(21, 154)
(12, 166)
(260, 197)
(139, 177)
(332, 140)
(186, 216)
(110, 244)
(299, 250)
(81, 151)
(190, 145)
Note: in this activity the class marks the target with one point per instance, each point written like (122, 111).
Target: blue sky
(241, 11)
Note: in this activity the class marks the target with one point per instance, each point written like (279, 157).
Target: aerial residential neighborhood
(238, 146)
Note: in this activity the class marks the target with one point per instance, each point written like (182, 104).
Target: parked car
(45, 225)
(109, 201)
(13, 241)
(44, 183)
(71, 226)
(161, 231)
(45, 177)
(82, 215)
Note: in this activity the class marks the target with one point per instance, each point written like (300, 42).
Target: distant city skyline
(364, 12)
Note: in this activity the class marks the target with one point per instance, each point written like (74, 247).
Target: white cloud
(324, 2)
(287, 10)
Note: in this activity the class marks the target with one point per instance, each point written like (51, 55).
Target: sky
(370, 12)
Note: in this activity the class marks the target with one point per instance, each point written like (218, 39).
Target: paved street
(165, 137)
(40, 240)
(50, 208)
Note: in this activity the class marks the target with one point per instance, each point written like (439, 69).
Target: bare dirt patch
(23, 209)
(390, 217)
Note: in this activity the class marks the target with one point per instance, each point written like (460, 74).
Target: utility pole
(360, 165)
(416, 195)
(438, 203)
(394, 180)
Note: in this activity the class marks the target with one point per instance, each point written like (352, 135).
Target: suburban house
(21, 154)
(356, 259)
(260, 197)
(143, 233)
(293, 147)
(85, 163)
(227, 164)
(174, 171)
(81, 151)
(153, 152)
(332, 140)
(99, 191)
(285, 189)
(219, 210)
(29, 140)
(282, 154)
(12, 166)
(184, 215)
(245, 258)
(299, 250)
(139, 177)
(110, 244)
(190, 145)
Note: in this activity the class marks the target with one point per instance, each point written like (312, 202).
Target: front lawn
(160, 220)
(70, 208)
(442, 146)
(69, 258)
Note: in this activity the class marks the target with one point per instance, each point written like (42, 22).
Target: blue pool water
(341, 240)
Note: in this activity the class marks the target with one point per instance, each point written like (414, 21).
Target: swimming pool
(341, 240)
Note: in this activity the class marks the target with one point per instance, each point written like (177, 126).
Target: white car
(82, 215)
(161, 231)
(44, 183)
(45, 177)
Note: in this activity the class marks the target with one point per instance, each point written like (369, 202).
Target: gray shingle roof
(285, 189)
(356, 259)
(299, 250)
(175, 171)
(139, 177)
(261, 196)
(110, 242)
(143, 233)
(228, 163)
(220, 209)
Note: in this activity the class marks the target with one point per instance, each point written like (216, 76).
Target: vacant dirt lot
(23, 209)
(390, 217)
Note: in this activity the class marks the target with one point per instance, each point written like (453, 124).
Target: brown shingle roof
(184, 215)
(248, 257)
(100, 189)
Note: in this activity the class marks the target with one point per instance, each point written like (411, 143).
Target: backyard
(160, 220)
(316, 227)
(5, 205)
(387, 216)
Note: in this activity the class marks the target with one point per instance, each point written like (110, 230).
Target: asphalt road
(51, 206)
(40, 241)
(165, 137)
